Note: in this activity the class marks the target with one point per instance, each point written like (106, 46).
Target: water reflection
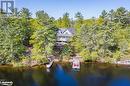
(35, 84)
(48, 70)
(94, 80)
(29, 79)
(63, 75)
(64, 79)
(121, 81)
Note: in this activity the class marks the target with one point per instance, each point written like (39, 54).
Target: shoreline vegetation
(27, 41)
(57, 62)
(32, 65)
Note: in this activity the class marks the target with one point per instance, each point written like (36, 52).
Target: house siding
(63, 35)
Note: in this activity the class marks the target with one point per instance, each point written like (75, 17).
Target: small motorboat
(76, 63)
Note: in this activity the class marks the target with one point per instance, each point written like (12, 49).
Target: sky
(56, 8)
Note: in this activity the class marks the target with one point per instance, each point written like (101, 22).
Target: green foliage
(39, 58)
(24, 13)
(94, 56)
(85, 54)
(106, 37)
(58, 23)
(79, 20)
(66, 51)
(77, 44)
(117, 55)
(103, 14)
(43, 41)
(89, 37)
(43, 18)
(11, 46)
(64, 22)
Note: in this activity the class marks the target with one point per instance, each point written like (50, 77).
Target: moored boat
(76, 63)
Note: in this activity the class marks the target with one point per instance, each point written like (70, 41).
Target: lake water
(90, 74)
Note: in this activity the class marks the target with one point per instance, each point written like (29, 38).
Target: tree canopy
(106, 38)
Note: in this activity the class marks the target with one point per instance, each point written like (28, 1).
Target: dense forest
(25, 39)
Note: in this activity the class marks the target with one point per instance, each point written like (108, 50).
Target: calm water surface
(90, 74)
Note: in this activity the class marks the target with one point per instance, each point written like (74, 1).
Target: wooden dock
(49, 64)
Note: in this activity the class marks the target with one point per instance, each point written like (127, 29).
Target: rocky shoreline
(36, 63)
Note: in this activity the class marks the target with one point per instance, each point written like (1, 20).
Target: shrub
(117, 55)
(39, 58)
(85, 54)
(94, 56)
